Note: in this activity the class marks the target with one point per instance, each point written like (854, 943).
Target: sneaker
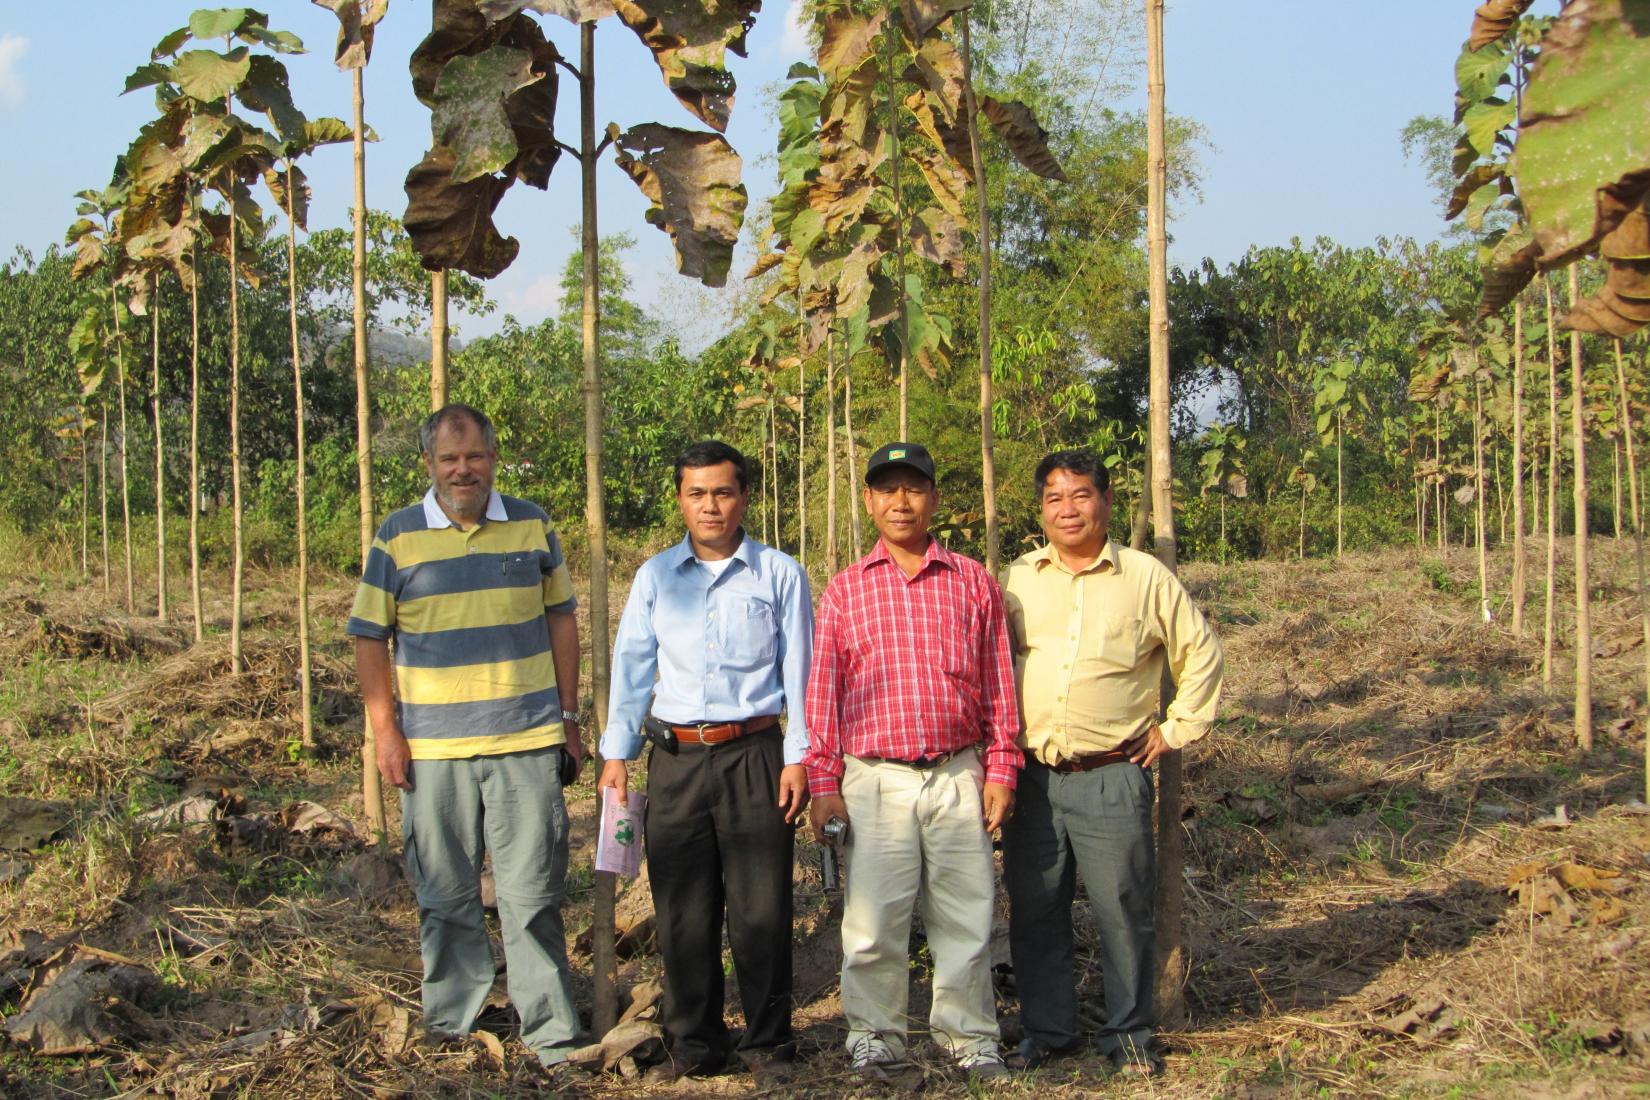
(870, 1051)
(983, 1065)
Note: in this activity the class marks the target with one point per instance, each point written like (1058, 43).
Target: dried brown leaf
(692, 180)
(1491, 21)
(690, 43)
(847, 41)
(1025, 136)
(451, 224)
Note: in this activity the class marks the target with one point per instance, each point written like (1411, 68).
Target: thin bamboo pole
(604, 1010)
(1584, 611)
(160, 456)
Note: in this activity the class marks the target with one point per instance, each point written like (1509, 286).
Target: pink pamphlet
(619, 845)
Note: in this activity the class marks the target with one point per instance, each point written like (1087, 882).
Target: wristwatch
(569, 716)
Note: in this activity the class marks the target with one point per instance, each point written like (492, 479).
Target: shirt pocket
(748, 635)
(1118, 643)
(522, 575)
(959, 638)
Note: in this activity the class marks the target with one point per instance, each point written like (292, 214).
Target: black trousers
(716, 840)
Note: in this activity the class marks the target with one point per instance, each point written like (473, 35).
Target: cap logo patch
(896, 454)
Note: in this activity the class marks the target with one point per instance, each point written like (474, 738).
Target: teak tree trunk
(604, 1010)
(304, 686)
(438, 339)
(1479, 492)
(1552, 486)
(899, 261)
(988, 462)
(125, 438)
(854, 520)
(195, 446)
(832, 560)
(1171, 951)
(239, 564)
(372, 789)
(1584, 611)
(1638, 543)
(1518, 580)
(103, 490)
(801, 453)
(160, 458)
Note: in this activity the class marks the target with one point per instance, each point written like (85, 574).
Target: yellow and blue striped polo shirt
(473, 669)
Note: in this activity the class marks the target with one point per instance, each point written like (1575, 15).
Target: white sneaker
(984, 1064)
(869, 1051)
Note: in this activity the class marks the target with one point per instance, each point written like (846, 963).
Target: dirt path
(1402, 878)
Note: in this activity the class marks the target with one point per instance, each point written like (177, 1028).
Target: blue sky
(1302, 102)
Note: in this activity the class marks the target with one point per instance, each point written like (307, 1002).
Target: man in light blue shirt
(726, 625)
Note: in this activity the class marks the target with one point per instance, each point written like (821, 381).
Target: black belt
(922, 763)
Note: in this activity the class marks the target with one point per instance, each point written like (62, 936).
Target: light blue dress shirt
(723, 648)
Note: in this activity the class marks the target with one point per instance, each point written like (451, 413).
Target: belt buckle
(703, 740)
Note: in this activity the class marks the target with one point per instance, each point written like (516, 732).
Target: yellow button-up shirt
(1089, 651)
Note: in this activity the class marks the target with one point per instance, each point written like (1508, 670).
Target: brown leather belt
(717, 733)
(1088, 762)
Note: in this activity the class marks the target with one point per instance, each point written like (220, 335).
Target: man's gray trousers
(512, 804)
(1097, 824)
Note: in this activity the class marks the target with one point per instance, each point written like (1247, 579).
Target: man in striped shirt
(912, 724)
(481, 727)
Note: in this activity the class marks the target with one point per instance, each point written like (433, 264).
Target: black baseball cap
(911, 455)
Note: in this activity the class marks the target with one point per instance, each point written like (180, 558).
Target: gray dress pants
(511, 804)
(1097, 824)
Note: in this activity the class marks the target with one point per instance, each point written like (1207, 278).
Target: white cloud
(794, 41)
(535, 301)
(12, 48)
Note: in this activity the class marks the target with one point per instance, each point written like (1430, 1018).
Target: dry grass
(1383, 760)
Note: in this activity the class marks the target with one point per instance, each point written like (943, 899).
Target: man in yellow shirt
(1093, 625)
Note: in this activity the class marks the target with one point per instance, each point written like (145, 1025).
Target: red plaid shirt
(911, 667)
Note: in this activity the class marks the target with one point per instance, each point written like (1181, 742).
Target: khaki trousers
(917, 831)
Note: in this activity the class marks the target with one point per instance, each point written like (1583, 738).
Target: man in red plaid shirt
(912, 724)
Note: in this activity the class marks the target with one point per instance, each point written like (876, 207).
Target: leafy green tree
(1224, 470)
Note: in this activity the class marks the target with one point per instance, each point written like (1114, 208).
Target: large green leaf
(265, 89)
(1485, 121)
(451, 223)
(171, 44)
(1478, 72)
(690, 41)
(1026, 138)
(206, 76)
(692, 181)
(1583, 156)
(222, 22)
(145, 76)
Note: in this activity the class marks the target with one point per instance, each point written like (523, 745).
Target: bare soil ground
(1403, 878)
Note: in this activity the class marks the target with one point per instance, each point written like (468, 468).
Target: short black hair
(1078, 462)
(446, 414)
(711, 452)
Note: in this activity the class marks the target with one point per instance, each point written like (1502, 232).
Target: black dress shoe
(1031, 1054)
